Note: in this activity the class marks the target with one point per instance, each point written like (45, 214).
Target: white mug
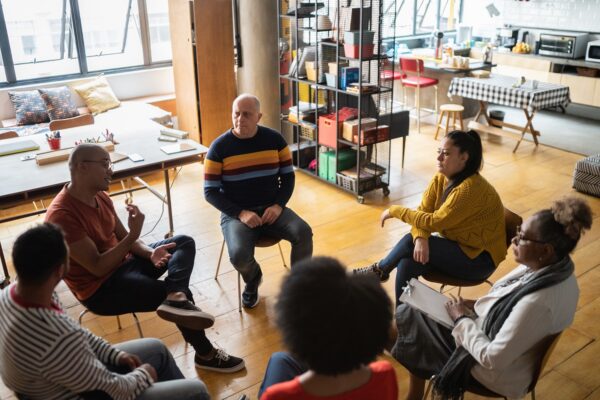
(534, 84)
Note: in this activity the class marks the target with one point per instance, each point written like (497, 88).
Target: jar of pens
(53, 139)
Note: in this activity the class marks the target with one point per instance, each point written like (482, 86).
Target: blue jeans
(282, 367)
(170, 384)
(241, 239)
(135, 287)
(445, 256)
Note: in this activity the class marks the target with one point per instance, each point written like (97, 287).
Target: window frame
(79, 44)
(438, 5)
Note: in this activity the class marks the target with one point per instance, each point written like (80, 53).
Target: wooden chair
(8, 135)
(547, 346)
(417, 82)
(83, 119)
(137, 321)
(263, 241)
(511, 221)
(453, 111)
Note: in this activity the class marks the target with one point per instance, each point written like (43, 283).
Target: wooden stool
(450, 110)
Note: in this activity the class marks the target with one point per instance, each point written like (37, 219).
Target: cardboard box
(350, 128)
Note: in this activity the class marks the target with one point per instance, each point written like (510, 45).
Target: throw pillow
(29, 107)
(98, 95)
(59, 103)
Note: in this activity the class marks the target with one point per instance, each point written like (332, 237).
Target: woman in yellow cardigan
(458, 229)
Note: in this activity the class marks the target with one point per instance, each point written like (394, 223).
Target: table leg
(527, 128)
(482, 110)
(169, 207)
(6, 280)
(533, 132)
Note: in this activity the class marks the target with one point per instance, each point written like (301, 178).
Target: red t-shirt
(79, 220)
(382, 386)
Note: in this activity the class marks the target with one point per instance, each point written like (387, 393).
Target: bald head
(247, 98)
(86, 151)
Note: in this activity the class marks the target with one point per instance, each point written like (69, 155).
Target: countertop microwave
(593, 51)
(566, 45)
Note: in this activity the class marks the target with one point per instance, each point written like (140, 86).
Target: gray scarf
(452, 381)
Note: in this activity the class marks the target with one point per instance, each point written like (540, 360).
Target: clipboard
(427, 300)
(177, 148)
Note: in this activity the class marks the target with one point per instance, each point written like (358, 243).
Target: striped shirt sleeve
(213, 184)
(71, 362)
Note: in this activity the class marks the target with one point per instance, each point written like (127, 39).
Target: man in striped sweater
(249, 177)
(46, 355)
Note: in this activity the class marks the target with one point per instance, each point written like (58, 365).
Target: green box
(327, 163)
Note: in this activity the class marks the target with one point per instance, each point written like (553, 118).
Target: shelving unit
(337, 106)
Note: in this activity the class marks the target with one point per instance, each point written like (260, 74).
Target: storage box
(327, 163)
(366, 184)
(331, 79)
(350, 128)
(373, 135)
(349, 75)
(353, 37)
(328, 131)
(307, 130)
(311, 73)
(352, 50)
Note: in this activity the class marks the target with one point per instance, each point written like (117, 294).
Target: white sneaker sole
(229, 370)
(191, 319)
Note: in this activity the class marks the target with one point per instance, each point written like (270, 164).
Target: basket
(308, 130)
(366, 185)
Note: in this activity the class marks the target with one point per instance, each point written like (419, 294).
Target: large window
(418, 17)
(46, 38)
(38, 38)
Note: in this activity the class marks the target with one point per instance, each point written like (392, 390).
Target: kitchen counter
(554, 60)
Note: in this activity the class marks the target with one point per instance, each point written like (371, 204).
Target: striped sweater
(46, 355)
(241, 174)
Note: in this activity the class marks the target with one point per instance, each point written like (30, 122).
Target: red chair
(415, 80)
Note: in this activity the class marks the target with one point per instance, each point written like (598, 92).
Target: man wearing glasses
(114, 272)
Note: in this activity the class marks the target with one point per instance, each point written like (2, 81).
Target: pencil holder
(54, 143)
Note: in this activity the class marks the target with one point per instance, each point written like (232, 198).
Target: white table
(25, 181)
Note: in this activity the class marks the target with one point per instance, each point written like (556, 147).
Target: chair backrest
(511, 221)
(84, 119)
(547, 346)
(411, 65)
(8, 135)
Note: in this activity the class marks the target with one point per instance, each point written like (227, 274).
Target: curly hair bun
(574, 214)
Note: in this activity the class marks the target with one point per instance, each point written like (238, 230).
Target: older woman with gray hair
(497, 340)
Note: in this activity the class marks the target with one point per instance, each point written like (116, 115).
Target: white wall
(568, 15)
(126, 85)
(536, 15)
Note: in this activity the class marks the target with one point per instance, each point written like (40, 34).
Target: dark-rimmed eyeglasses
(105, 163)
(519, 238)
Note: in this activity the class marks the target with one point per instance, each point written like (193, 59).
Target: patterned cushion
(586, 177)
(59, 103)
(29, 107)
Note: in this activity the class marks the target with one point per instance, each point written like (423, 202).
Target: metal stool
(450, 110)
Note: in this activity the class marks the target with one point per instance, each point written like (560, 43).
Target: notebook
(177, 148)
(18, 147)
(428, 301)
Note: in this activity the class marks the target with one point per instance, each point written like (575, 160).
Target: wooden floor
(527, 181)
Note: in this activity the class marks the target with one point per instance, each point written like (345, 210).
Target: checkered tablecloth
(499, 89)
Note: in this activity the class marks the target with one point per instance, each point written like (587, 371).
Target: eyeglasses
(519, 238)
(105, 163)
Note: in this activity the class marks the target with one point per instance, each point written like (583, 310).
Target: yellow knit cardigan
(472, 215)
